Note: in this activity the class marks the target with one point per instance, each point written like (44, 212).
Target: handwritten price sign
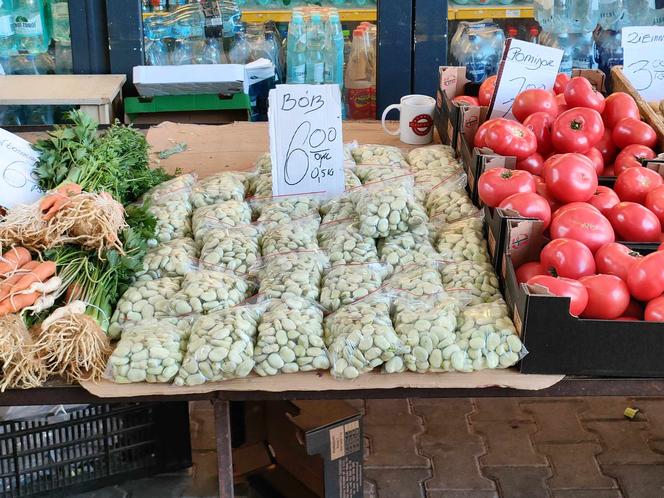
(524, 66)
(17, 160)
(305, 139)
(643, 59)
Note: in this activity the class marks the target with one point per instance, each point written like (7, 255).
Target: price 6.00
(308, 151)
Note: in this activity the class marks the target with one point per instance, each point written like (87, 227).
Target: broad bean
(405, 249)
(173, 221)
(170, 259)
(344, 244)
(207, 291)
(222, 215)
(462, 241)
(235, 249)
(476, 282)
(227, 186)
(347, 283)
(299, 235)
(295, 274)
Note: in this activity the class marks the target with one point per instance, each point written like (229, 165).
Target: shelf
(284, 15)
(475, 12)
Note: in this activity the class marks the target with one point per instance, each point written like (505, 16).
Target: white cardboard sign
(306, 140)
(643, 60)
(17, 162)
(524, 66)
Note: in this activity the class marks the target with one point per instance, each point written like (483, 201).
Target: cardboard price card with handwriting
(524, 66)
(17, 161)
(306, 140)
(643, 60)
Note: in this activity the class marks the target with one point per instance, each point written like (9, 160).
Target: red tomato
(466, 100)
(534, 100)
(604, 199)
(529, 205)
(634, 222)
(608, 170)
(607, 147)
(549, 161)
(608, 297)
(480, 134)
(540, 123)
(571, 178)
(630, 155)
(655, 310)
(646, 277)
(532, 164)
(574, 205)
(486, 90)
(562, 105)
(561, 82)
(655, 202)
(580, 93)
(577, 130)
(615, 259)
(634, 310)
(598, 160)
(567, 258)
(538, 179)
(528, 270)
(586, 225)
(497, 184)
(630, 131)
(564, 287)
(619, 105)
(661, 247)
(633, 184)
(543, 190)
(509, 138)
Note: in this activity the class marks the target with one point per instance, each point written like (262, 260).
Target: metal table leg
(224, 451)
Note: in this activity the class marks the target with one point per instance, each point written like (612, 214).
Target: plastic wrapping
(347, 283)
(476, 282)
(290, 338)
(378, 155)
(344, 244)
(261, 185)
(221, 346)
(463, 241)
(427, 327)
(340, 208)
(427, 180)
(149, 351)
(486, 338)
(448, 206)
(360, 337)
(177, 189)
(371, 173)
(388, 208)
(170, 259)
(235, 248)
(299, 235)
(295, 274)
(173, 220)
(207, 291)
(264, 164)
(417, 279)
(280, 211)
(143, 301)
(405, 249)
(432, 157)
(224, 214)
(227, 186)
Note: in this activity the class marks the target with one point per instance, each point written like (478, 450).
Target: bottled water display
(478, 46)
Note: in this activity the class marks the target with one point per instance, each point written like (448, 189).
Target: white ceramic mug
(415, 121)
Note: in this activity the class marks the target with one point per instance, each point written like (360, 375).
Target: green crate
(186, 103)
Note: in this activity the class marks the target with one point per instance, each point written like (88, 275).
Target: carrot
(14, 259)
(17, 303)
(39, 274)
(52, 203)
(70, 189)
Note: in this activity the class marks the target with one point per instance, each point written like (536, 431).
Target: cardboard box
(559, 343)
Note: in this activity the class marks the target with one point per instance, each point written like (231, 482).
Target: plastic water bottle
(30, 27)
(315, 65)
(240, 51)
(581, 15)
(156, 51)
(59, 10)
(6, 29)
(609, 52)
(610, 14)
(656, 13)
(583, 50)
(297, 47)
(479, 47)
(334, 51)
(638, 12)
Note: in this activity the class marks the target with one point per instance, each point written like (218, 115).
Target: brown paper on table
(310, 381)
(214, 148)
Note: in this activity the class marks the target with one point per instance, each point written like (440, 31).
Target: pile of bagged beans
(392, 275)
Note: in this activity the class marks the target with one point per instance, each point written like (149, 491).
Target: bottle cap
(534, 31)
(512, 31)
(358, 33)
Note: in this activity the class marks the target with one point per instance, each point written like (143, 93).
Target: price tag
(306, 140)
(17, 161)
(524, 66)
(643, 60)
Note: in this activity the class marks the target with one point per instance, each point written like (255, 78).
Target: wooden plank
(60, 89)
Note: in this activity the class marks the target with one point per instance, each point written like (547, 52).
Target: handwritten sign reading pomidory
(17, 161)
(643, 59)
(305, 139)
(524, 66)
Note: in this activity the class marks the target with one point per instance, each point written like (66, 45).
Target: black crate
(93, 447)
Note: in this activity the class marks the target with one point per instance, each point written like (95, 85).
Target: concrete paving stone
(586, 493)
(461, 494)
(107, 492)
(638, 481)
(507, 409)
(369, 489)
(557, 421)
(382, 411)
(508, 443)
(407, 483)
(605, 408)
(624, 442)
(445, 418)
(520, 482)
(653, 410)
(575, 467)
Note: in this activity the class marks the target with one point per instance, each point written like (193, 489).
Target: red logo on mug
(421, 125)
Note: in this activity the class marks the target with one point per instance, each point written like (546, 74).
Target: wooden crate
(648, 114)
(99, 95)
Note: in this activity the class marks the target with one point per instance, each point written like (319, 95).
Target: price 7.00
(646, 72)
(520, 81)
(305, 147)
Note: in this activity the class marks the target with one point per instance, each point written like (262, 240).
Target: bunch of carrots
(25, 282)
